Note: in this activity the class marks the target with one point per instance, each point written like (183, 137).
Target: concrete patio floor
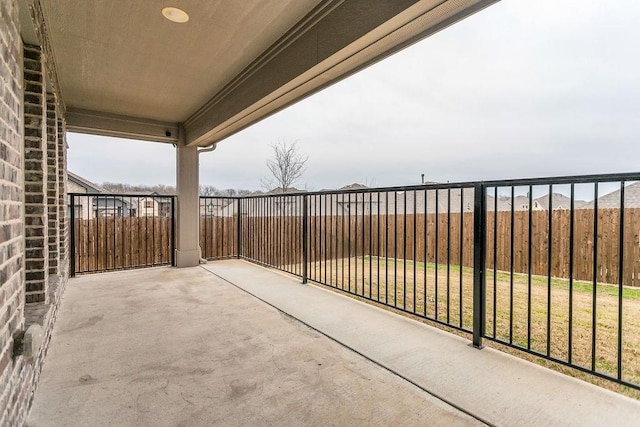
(231, 343)
(170, 346)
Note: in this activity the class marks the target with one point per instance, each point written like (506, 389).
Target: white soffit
(123, 57)
(125, 70)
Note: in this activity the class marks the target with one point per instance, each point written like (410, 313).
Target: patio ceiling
(125, 70)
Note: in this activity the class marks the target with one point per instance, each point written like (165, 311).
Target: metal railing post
(173, 231)
(72, 245)
(305, 226)
(239, 237)
(479, 262)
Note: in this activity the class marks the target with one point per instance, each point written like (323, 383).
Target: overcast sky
(521, 89)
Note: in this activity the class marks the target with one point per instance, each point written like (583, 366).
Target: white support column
(187, 244)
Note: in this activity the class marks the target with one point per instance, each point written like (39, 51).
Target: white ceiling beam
(105, 124)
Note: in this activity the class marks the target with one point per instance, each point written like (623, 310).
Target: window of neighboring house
(148, 204)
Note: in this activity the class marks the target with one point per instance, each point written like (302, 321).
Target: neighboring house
(443, 201)
(385, 202)
(354, 186)
(154, 206)
(83, 205)
(288, 190)
(289, 204)
(351, 203)
(96, 202)
(558, 202)
(363, 202)
(107, 205)
(612, 200)
(521, 203)
(374, 202)
(212, 206)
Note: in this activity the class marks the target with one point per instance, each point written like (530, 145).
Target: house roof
(560, 201)
(289, 190)
(111, 200)
(612, 200)
(354, 186)
(83, 182)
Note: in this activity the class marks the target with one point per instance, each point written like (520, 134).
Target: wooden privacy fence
(219, 236)
(277, 241)
(114, 243)
(273, 240)
(108, 243)
(608, 244)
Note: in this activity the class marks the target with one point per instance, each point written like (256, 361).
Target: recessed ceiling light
(175, 15)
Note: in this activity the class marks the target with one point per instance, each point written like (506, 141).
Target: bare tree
(212, 191)
(163, 189)
(208, 190)
(286, 166)
(117, 187)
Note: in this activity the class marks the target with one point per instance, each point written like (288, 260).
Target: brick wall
(35, 141)
(12, 274)
(52, 185)
(33, 235)
(62, 196)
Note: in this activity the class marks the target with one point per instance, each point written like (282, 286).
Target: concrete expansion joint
(376, 362)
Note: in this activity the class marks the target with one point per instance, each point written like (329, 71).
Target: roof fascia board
(321, 56)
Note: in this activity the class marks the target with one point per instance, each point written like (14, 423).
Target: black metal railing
(219, 227)
(272, 231)
(563, 283)
(395, 247)
(120, 231)
(549, 266)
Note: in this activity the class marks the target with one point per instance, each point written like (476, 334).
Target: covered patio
(232, 343)
(188, 74)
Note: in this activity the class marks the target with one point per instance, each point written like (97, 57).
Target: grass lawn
(444, 293)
